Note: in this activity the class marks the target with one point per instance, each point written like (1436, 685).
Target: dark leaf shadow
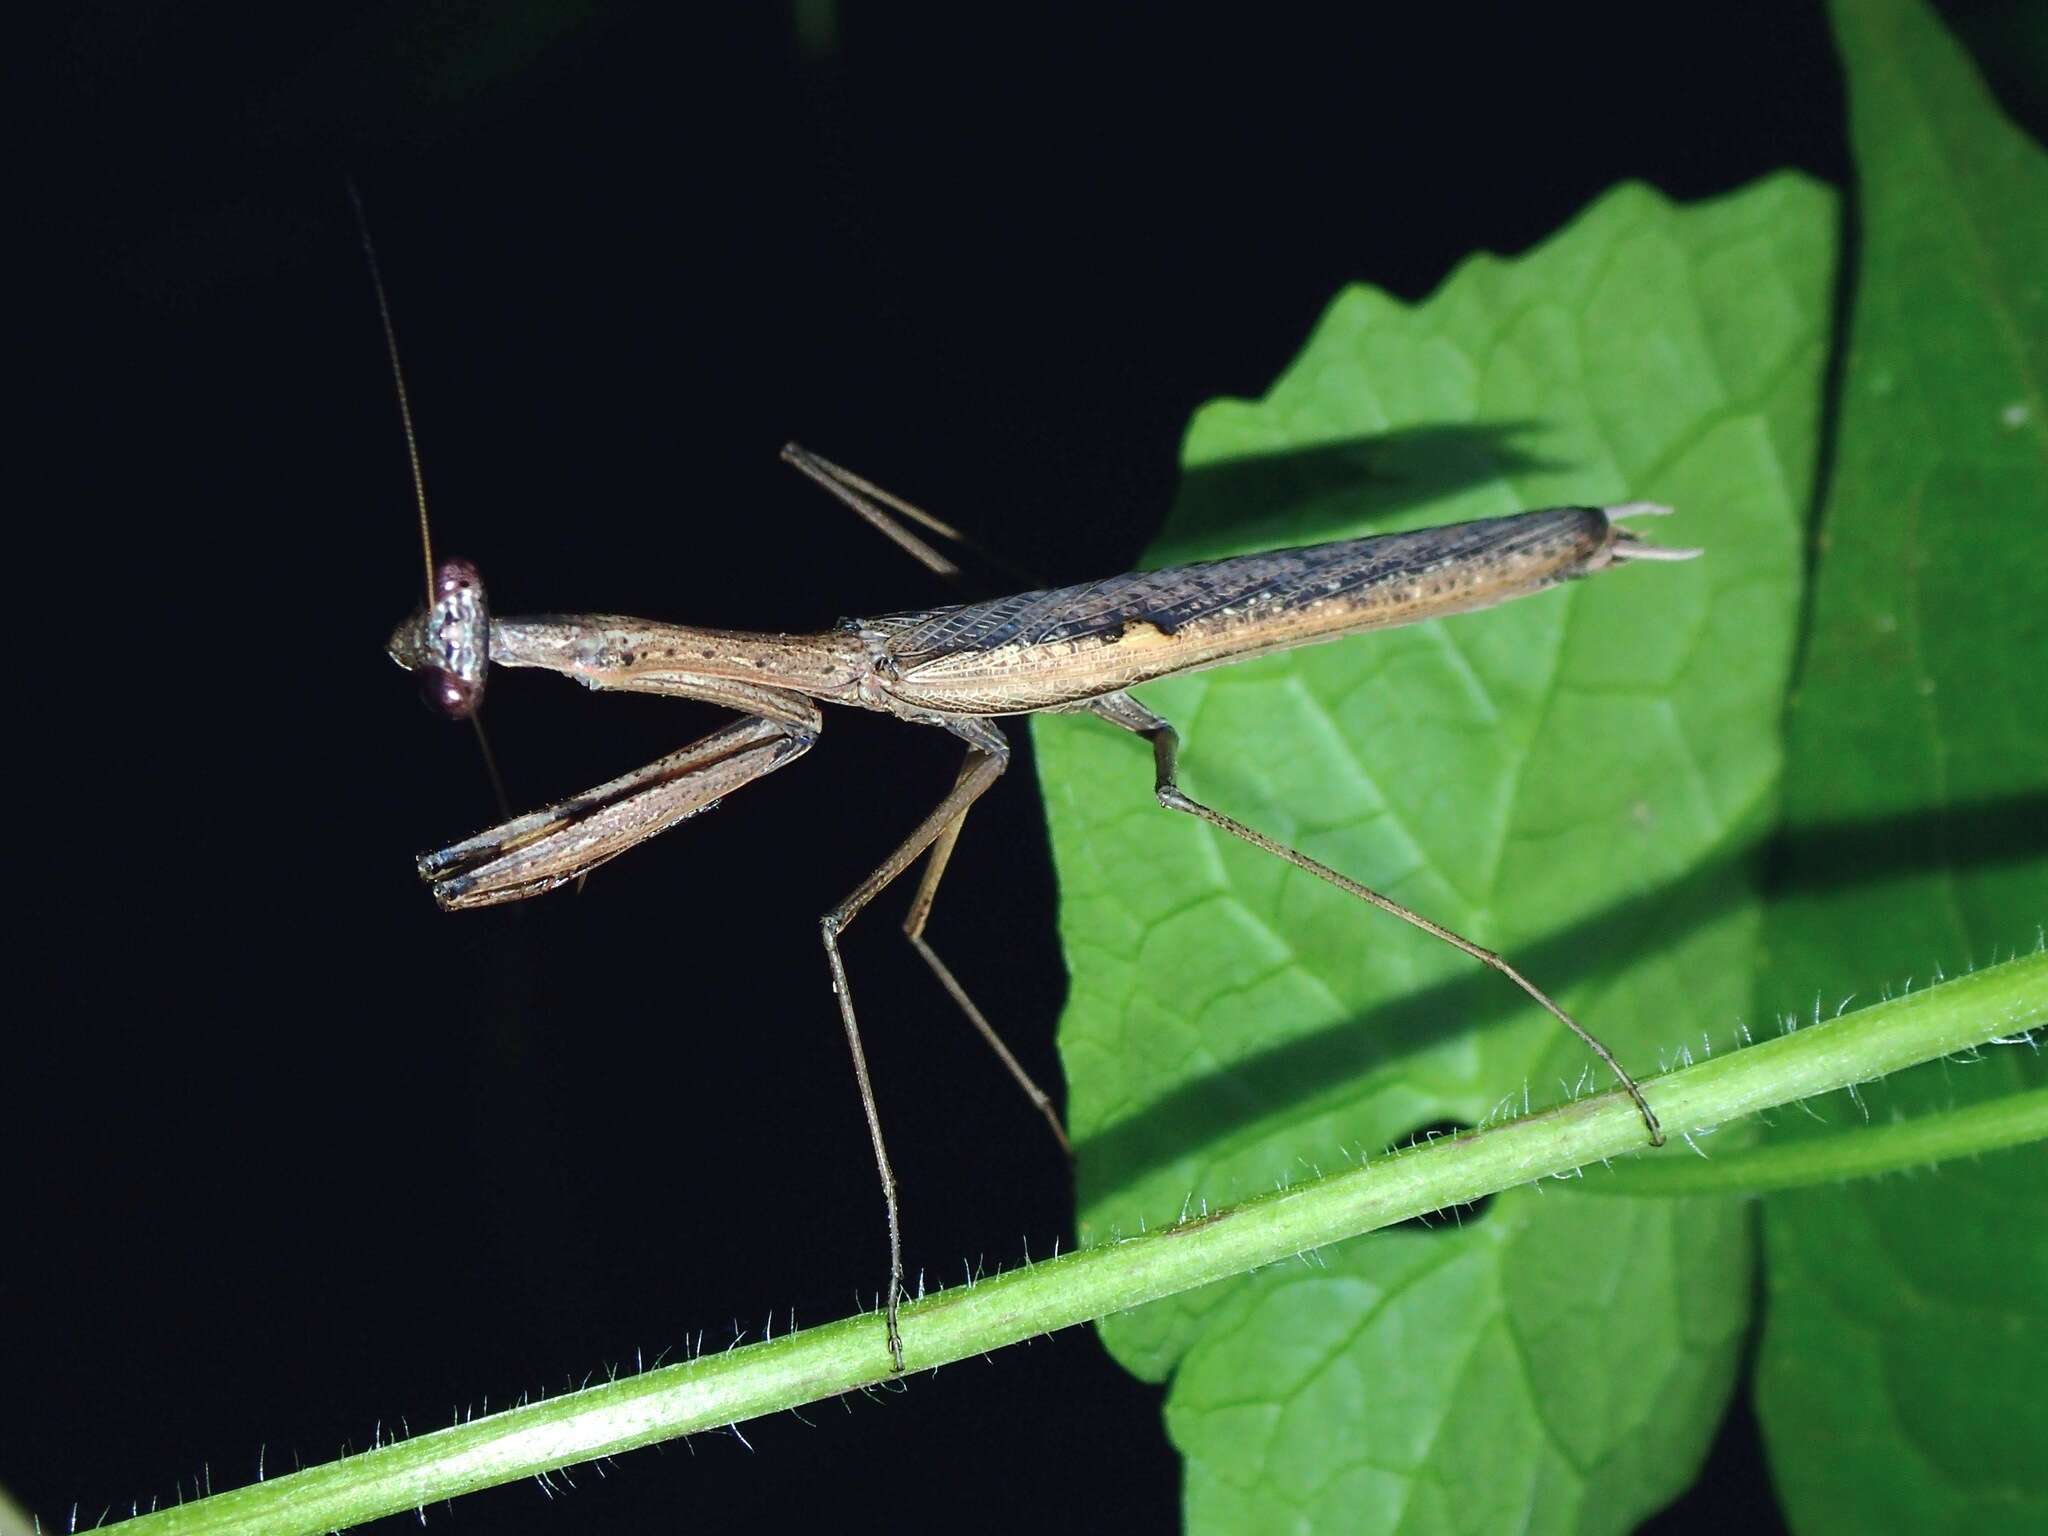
(1302, 494)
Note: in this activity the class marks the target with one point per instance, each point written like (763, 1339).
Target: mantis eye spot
(446, 693)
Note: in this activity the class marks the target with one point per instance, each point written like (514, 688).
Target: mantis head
(448, 643)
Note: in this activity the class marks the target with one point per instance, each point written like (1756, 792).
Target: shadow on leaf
(1264, 501)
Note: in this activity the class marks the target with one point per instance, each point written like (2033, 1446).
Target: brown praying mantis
(960, 668)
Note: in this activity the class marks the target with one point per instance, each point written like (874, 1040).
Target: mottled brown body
(1064, 646)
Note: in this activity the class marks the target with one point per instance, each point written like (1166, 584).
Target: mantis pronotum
(1071, 649)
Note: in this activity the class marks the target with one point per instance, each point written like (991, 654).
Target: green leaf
(1578, 779)
(1903, 1356)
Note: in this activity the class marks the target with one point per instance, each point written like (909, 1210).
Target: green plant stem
(1992, 1126)
(823, 1362)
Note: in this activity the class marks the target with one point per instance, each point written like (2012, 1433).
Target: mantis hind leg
(1121, 709)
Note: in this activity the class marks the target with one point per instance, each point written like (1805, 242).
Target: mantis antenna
(412, 442)
(448, 641)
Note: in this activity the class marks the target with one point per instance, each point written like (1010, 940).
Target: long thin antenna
(412, 443)
(412, 454)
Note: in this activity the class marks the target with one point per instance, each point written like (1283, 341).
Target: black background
(296, 1157)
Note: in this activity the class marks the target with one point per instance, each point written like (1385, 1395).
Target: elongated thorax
(641, 655)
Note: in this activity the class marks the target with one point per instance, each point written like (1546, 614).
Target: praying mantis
(960, 668)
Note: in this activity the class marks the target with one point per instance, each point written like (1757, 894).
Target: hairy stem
(716, 1390)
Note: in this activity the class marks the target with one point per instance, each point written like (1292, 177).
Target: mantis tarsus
(1069, 649)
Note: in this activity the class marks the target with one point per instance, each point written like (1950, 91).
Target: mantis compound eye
(449, 643)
